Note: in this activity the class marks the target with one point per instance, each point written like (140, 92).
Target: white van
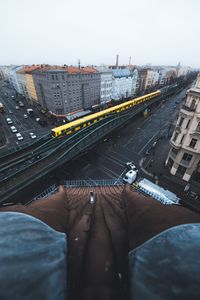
(130, 176)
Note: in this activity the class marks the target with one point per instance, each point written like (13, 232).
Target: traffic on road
(18, 119)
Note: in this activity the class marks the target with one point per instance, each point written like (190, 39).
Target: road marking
(107, 171)
(148, 142)
(113, 160)
(120, 176)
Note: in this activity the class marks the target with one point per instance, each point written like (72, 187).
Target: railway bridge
(21, 169)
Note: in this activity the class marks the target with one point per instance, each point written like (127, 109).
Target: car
(13, 129)
(19, 136)
(17, 107)
(32, 135)
(37, 119)
(130, 176)
(21, 104)
(10, 112)
(130, 165)
(9, 121)
(25, 116)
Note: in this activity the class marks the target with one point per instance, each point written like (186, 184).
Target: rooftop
(68, 69)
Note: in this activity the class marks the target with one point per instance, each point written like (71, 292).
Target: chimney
(79, 64)
(117, 60)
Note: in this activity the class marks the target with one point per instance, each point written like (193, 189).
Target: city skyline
(94, 32)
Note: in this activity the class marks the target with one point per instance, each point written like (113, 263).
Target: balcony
(187, 108)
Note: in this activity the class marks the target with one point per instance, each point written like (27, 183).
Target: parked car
(13, 129)
(10, 112)
(130, 176)
(9, 121)
(21, 104)
(130, 165)
(25, 116)
(19, 136)
(32, 135)
(17, 107)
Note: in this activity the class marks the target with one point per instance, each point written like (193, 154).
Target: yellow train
(74, 126)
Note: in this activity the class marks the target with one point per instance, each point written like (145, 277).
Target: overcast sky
(63, 31)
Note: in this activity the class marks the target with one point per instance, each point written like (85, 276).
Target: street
(22, 124)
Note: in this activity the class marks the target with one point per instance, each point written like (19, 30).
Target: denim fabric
(32, 259)
(167, 267)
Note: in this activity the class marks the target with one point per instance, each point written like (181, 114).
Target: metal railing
(92, 183)
(78, 183)
(49, 191)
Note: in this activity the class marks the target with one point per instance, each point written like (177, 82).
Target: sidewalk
(153, 165)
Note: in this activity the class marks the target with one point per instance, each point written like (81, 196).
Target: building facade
(62, 90)
(122, 83)
(26, 83)
(106, 84)
(184, 156)
(135, 82)
(9, 73)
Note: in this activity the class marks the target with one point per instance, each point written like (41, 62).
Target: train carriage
(86, 121)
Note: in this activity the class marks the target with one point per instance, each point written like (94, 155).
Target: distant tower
(129, 61)
(117, 60)
(79, 64)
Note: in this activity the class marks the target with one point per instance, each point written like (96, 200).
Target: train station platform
(101, 232)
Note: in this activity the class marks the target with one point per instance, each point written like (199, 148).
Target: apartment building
(26, 83)
(183, 159)
(106, 83)
(135, 82)
(9, 73)
(62, 90)
(122, 83)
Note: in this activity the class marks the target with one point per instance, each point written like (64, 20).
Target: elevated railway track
(21, 171)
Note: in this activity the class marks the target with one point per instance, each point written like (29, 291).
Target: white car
(32, 135)
(17, 107)
(9, 121)
(130, 176)
(25, 116)
(19, 136)
(13, 129)
(130, 165)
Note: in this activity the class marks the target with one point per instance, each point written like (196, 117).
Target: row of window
(62, 76)
(193, 141)
(188, 123)
(186, 156)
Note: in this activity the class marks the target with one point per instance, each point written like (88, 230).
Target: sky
(157, 32)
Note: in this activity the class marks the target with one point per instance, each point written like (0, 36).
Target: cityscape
(100, 152)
